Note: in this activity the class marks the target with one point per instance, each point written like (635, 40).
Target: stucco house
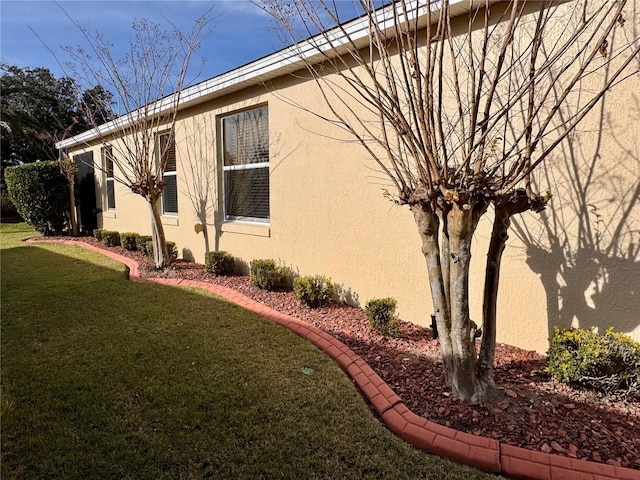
(312, 199)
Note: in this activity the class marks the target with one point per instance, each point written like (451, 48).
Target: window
(107, 166)
(166, 150)
(245, 165)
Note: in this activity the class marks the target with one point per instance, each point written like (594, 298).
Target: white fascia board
(280, 63)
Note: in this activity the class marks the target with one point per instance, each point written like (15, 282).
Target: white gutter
(277, 64)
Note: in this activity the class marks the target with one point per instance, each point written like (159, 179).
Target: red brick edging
(481, 452)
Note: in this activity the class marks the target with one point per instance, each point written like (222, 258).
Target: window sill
(170, 220)
(109, 214)
(246, 228)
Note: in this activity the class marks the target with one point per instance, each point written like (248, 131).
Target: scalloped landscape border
(483, 453)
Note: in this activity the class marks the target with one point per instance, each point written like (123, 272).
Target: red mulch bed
(535, 413)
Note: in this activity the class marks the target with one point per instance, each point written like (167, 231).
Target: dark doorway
(86, 193)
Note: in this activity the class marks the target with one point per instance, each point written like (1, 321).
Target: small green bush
(111, 238)
(171, 249)
(40, 193)
(141, 244)
(268, 275)
(382, 315)
(608, 363)
(98, 233)
(128, 240)
(219, 263)
(313, 291)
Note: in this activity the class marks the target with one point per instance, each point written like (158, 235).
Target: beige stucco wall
(329, 216)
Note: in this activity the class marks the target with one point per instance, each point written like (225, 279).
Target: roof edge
(277, 64)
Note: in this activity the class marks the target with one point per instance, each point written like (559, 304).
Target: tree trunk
(160, 253)
(517, 202)
(455, 328)
(499, 236)
(465, 381)
(428, 227)
(75, 231)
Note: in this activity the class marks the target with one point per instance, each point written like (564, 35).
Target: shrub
(267, 275)
(41, 195)
(219, 263)
(128, 240)
(608, 363)
(148, 248)
(111, 238)
(7, 208)
(141, 244)
(98, 233)
(381, 313)
(313, 291)
(171, 249)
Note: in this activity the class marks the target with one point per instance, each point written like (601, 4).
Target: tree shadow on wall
(586, 247)
(200, 166)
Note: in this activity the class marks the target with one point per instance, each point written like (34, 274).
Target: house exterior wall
(328, 215)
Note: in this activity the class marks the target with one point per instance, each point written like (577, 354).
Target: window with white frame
(245, 165)
(110, 184)
(166, 151)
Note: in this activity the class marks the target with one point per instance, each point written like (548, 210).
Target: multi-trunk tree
(147, 83)
(458, 103)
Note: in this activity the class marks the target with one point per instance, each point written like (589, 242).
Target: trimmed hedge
(608, 363)
(219, 263)
(141, 244)
(98, 233)
(268, 275)
(381, 313)
(171, 248)
(111, 238)
(128, 240)
(40, 194)
(313, 291)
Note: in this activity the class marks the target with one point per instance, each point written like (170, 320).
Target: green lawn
(105, 378)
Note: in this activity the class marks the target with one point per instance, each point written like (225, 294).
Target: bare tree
(458, 112)
(147, 84)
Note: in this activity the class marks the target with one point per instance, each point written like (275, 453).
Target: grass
(104, 378)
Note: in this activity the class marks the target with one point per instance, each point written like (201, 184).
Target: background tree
(41, 109)
(458, 114)
(148, 82)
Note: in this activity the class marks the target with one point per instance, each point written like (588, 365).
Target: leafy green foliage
(141, 244)
(41, 109)
(381, 313)
(219, 263)
(172, 250)
(609, 363)
(111, 238)
(313, 291)
(128, 240)
(98, 233)
(148, 248)
(41, 195)
(268, 275)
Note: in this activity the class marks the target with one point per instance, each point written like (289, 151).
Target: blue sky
(240, 33)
